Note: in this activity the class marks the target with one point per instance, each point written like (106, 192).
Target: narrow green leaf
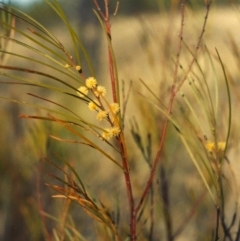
(28, 19)
(198, 168)
(73, 170)
(75, 39)
(64, 72)
(215, 82)
(49, 111)
(89, 142)
(56, 235)
(207, 93)
(46, 39)
(58, 220)
(57, 8)
(195, 115)
(152, 93)
(69, 235)
(36, 73)
(38, 43)
(183, 138)
(229, 102)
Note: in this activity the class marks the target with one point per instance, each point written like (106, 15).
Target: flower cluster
(91, 84)
(108, 113)
(111, 132)
(211, 146)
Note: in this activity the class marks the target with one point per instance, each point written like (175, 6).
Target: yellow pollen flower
(91, 82)
(115, 108)
(102, 115)
(78, 68)
(211, 147)
(111, 132)
(92, 105)
(67, 66)
(101, 91)
(115, 131)
(106, 135)
(83, 90)
(221, 146)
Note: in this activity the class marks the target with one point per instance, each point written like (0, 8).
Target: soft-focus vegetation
(162, 167)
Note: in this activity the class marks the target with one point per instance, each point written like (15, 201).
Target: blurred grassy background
(145, 41)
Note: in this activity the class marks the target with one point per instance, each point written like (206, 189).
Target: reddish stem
(110, 56)
(157, 158)
(130, 198)
(121, 142)
(174, 90)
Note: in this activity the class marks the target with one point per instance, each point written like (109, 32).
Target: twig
(164, 130)
(174, 90)
(197, 48)
(179, 44)
(116, 9)
(129, 188)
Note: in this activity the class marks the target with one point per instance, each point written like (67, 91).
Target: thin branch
(116, 9)
(164, 130)
(112, 67)
(180, 38)
(197, 48)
